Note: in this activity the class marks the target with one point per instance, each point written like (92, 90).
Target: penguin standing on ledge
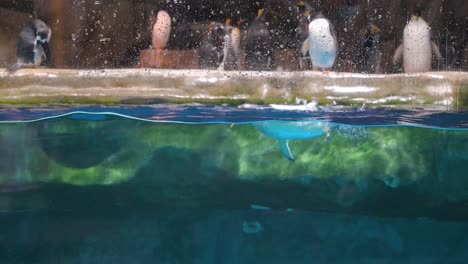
(211, 51)
(302, 37)
(32, 46)
(161, 30)
(323, 45)
(259, 49)
(231, 47)
(417, 46)
(370, 50)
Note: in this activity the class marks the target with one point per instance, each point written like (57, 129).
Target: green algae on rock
(46, 152)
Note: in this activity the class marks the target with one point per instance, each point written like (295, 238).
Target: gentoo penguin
(211, 51)
(370, 50)
(161, 30)
(33, 45)
(323, 45)
(417, 46)
(259, 49)
(302, 37)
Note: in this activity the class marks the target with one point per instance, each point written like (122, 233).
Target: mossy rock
(81, 143)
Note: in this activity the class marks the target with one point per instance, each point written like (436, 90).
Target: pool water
(221, 184)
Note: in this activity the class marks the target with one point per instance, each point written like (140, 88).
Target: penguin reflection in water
(220, 47)
(417, 46)
(323, 45)
(33, 46)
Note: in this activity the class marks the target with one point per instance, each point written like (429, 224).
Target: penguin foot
(14, 68)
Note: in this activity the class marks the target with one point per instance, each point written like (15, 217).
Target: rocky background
(111, 33)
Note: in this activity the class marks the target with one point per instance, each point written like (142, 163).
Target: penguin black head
(42, 31)
(417, 11)
(33, 45)
(301, 7)
(216, 34)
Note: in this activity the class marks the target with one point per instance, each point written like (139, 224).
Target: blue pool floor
(219, 237)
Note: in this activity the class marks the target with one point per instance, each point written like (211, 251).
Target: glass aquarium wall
(263, 35)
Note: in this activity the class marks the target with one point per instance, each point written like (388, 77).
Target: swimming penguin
(370, 50)
(161, 30)
(302, 37)
(33, 46)
(417, 47)
(211, 50)
(323, 45)
(259, 50)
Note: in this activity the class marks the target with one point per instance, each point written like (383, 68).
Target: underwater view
(233, 131)
(219, 184)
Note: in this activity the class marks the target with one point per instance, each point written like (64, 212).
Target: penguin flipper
(436, 51)
(14, 68)
(45, 47)
(305, 47)
(285, 149)
(398, 54)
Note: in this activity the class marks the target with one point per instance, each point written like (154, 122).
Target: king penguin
(231, 46)
(323, 45)
(32, 46)
(417, 46)
(259, 49)
(211, 51)
(161, 30)
(370, 50)
(302, 37)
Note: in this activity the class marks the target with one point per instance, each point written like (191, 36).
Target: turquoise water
(199, 184)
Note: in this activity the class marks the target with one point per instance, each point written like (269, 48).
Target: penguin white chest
(417, 51)
(38, 55)
(161, 30)
(322, 43)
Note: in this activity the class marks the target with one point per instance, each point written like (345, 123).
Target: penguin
(370, 50)
(231, 46)
(32, 46)
(417, 47)
(323, 45)
(161, 30)
(232, 50)
(302, 37)
(259, 50)
(211, 51)
(448, 51)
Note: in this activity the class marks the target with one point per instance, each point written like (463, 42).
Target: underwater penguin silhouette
(161, 30)
(370, 50)
(323, 45)
(259, 49)
(417, 47)
(32, 46)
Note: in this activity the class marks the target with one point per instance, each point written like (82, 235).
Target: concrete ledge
(136, 86)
